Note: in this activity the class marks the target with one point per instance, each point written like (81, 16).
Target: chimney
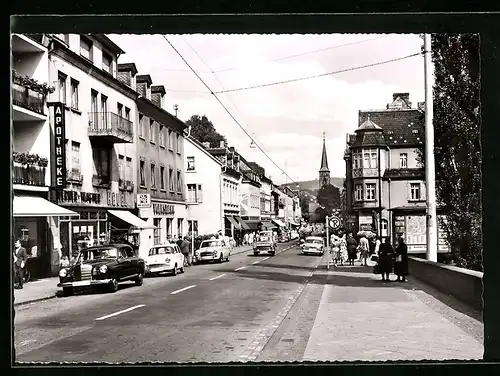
(127, 73)
(144, 82)
(157, 95)
(421, 106)
(404, 96)
(206, 144)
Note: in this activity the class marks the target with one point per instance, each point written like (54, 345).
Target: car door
(123, 266)
(132, 260)
(180, 256)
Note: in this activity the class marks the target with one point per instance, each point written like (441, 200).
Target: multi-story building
(292, 220)
(250, 196)
(159, 163)
(36, 221)
(385, 183)
(203, 182)
(100, 111)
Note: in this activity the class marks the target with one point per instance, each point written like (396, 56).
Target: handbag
(376, 269)
(374, 258)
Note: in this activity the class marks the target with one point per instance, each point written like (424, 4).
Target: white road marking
(222, 275)
(256, 262)
(120, 312)
(264, 259)
(243, 267)
(27, 341)
(183, 289)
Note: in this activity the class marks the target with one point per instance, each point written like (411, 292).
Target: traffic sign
(334, 222)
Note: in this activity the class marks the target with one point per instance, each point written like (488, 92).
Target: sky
(286, 120)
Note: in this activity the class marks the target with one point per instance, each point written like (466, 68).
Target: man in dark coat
(20, 258)
(352, 246)
(385, 255)
(186, 250)
(401, 262)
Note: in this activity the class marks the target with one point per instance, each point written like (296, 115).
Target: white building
(203, 186)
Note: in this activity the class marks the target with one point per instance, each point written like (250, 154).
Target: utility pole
(430, 169)
(176, 109)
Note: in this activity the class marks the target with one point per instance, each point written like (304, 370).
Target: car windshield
(314, 241)
(161, 251)
(211, 243)
(98, 254)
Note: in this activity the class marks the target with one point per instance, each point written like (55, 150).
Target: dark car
(105, 265)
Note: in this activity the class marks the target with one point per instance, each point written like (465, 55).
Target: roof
(324, 159)
(402, 127)
(127, 67)
(144, 78)
(112, 46)
(158, 89)
(404, 173)
(368, 125)
(198, 144)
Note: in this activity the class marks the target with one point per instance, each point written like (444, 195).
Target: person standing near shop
(20, 258)
(364, 247)
(352, 246)
(186, 250)
(401, 261)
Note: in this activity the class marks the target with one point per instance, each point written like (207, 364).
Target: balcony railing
(28, 175)
(27, 98)
(110, 126)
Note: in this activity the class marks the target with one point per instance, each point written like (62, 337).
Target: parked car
(265, 242)
(313, 245)
(294, 235)
(105, 265)
(284, 237)
(164, 258)
(213, 250)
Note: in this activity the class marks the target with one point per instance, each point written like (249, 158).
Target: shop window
(26, 230)
(180, 221)
(157, 230)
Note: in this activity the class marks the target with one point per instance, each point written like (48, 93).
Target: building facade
(385, 183)
(250, 203)
(203, 187)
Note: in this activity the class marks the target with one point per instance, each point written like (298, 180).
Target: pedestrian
(343, 250)
(186, 251)
(364, 247)
(401, 261)
(334, 250)
(378, 241)
(385, 256)
(352, 246)
(20, 258)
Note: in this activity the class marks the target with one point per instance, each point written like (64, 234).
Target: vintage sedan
(313, 245)
(105, 265)
(265, 242)
(213, 250)
(164, 258)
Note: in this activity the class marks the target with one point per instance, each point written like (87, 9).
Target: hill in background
(313, 185)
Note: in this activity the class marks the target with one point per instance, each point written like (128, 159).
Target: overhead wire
(226, 109)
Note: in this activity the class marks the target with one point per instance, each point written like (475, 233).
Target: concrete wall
(465, 285)
(398, 194)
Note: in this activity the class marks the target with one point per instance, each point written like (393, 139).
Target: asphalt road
(241, 310)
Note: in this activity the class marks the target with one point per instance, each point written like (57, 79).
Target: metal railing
(28, 175)
(104, 123)
(27, 98)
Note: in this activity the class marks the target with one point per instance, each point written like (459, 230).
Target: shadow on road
(96, 290)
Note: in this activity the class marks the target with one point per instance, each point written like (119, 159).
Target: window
(370, 191)
(170, 180)
(128, 169)
(86, 48)
(153, 176)
(152, 133)
(119, 108)
(141, 125)
(102, 158)
(93, 101)
(104, 110)
(191, 193)
(121, 167)
(370, 158)
(162, 178)
(157, 230)
(169, 139)
(415, 191)
(190, 163)
(75, 157)
(142, 167)
(107, 62)
(356, 159)
(169, 228)
(179, 182)
(199, 194)
(161, 136)
(179, 226)
(61, 87)
(178, 146)
(74, 94)
(403, 160)
(127, 113)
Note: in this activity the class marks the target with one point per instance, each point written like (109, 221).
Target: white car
(213, 250)
(164, 258)
(313, 245)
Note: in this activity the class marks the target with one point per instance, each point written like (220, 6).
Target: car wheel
(139, 280)
(68, 291)
(174, 272)
(256, 253)
(221, 258)
(273, 253)
(113, 286)
(182, 269)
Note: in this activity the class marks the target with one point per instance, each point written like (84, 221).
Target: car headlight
(197, 253)
(103, 269)
(63, 273)
(167, 260)
(215, 253)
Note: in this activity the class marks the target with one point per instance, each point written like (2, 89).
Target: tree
(329, 198)
(457, 143)
(304, 199)
(203, 130)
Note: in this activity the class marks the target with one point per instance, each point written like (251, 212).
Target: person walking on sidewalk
(20, 258)
(334, 250)
(352, 246)
(364, 247)
(401, 262)
(385, 255)
(186, 251)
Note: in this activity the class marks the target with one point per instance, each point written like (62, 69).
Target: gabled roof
(368, 125)
(324, 158)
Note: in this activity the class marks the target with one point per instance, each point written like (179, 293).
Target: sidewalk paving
(362, 318)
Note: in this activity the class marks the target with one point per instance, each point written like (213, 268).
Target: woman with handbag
(401, 261)
(385, 255)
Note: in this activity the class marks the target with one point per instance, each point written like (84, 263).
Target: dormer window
(86, 48)
(107, 62)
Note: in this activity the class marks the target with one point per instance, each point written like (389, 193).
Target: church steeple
(324, 171)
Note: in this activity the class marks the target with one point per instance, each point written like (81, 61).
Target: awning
(294, 223)
(233, 221)
(278, 222)
(32, 206)
(268, 225)
(251, 224)
(242, 223)
(128, 217)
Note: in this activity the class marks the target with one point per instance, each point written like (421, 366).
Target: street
(252, 308)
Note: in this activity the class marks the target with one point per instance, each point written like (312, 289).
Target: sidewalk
(361, 318)
(35, 291)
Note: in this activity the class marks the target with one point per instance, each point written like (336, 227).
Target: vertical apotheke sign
(59, 145)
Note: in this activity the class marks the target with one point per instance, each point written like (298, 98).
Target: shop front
(35, 224)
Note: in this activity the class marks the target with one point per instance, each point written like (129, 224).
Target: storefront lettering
(117, 199)
(78, 197)
(163, 209)
(59, 146)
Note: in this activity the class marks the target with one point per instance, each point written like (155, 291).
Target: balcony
(28, 98)
(28, 174)
(110, 127)
(365, 173)
(74, 176)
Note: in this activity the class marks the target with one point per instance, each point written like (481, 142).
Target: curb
(35, 300)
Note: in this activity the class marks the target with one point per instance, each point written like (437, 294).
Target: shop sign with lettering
(59, 146)
(104, 199)
(163, 209)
